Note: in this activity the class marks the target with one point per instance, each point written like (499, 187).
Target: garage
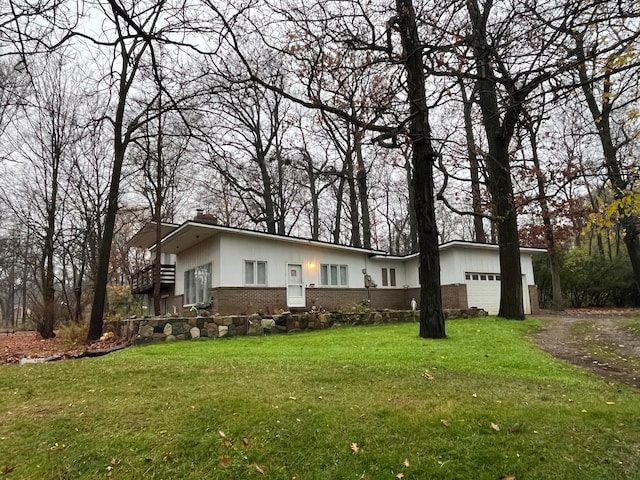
(483, 291)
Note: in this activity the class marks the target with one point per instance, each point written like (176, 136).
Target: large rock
(168, 329)
(212, 329)
(223, 330)
(254, 325)
(268, 323)
(194, 332)
(145, 331)
(180, 328)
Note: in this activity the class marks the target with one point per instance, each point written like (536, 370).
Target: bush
(589, 279)
(73, 333)
(121, 303)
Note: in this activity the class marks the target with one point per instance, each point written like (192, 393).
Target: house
(231, 271)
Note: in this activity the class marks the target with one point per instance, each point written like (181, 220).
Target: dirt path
(598, 340)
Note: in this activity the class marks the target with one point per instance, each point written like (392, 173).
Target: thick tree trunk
(499, 134)
(499, 183)
(432, 324)
(413, 221)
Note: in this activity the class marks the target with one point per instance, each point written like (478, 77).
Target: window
(388, 277)
(333, 275)
(197, 283)
(255, 273)
(482, 276)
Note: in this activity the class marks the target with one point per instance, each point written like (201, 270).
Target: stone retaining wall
(152, 329)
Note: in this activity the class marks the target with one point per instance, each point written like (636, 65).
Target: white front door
(295, 287)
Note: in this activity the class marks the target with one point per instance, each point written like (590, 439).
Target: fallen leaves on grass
(427, 375)
(445, 422)
(224, 461)
(508, 477)
(406, 462)
(258, 468)
(495, 426)
(355, 448)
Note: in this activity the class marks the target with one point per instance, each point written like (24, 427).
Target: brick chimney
(203, 217)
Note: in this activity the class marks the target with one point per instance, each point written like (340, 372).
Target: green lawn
(346, 403)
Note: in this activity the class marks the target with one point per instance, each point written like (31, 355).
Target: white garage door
(483, 291)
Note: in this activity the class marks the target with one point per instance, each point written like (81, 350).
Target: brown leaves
(508, 476)
(355, 448)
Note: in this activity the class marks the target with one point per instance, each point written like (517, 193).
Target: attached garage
(483, 291)
(477, 266)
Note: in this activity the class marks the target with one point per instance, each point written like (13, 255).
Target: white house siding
(482, 292)
(375, 270)
(201, 254)
(278, 253)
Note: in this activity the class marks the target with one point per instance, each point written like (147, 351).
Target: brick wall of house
(247, 300)
(335, 298)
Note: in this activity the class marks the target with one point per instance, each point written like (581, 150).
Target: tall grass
(350, 403)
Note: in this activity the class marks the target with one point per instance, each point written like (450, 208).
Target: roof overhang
(485, 246)
(191, 233)
(146, 236)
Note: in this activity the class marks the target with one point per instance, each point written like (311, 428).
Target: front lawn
(347, 403)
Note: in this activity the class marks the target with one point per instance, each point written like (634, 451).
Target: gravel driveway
(596, 339)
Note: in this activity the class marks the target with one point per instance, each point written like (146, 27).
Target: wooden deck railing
(143, 280)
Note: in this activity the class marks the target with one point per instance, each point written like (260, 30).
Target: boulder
(194, 332)
(268, 323)
(223, 330)
(145, 331)
(168, 329)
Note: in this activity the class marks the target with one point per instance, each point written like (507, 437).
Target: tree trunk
(498, 135)
(338, 220)
(363, 193)
(413, 221)
(432, 323)
(353, 200)
(104, 253)
(45, 325)
(315, 208)
(557, 299)
(476, 198)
